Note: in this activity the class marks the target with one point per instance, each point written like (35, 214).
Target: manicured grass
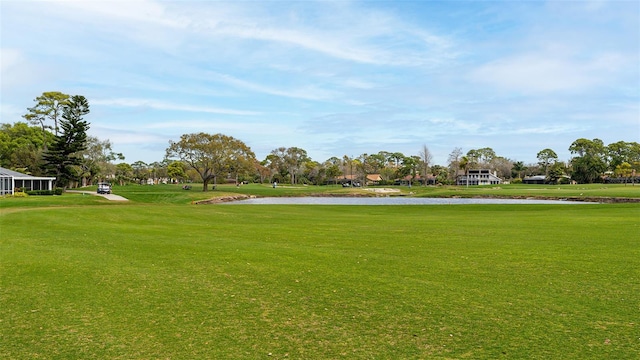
(161, 194)
(174, 193)
(31, 202)
(558, 191)
(174, 280)
(508, 190)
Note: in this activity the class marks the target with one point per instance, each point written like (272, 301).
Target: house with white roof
(478, 177)
(11, 180)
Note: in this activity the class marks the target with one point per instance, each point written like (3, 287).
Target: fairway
(182, 281)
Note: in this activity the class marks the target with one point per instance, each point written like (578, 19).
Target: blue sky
(333, 77)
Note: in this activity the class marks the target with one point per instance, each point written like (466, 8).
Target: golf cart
(104, 188)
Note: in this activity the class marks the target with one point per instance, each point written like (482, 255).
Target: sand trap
(383, 190)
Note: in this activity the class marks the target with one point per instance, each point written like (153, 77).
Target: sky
(334, 78)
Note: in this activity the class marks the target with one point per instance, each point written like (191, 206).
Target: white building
(11, 180)
(479, 177)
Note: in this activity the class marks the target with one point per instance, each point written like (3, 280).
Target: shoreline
(603, 200)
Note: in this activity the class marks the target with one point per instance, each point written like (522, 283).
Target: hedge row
(56, 191)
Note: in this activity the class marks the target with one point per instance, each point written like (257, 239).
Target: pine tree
(48, 107)
(61, 159)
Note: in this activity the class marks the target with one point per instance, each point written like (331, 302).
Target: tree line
(53, 142)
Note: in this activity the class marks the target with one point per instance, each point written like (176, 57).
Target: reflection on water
(390, 201)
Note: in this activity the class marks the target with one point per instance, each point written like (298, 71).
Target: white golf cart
(104, 188)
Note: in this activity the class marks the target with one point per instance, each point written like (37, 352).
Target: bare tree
(454, 162)
(425, 160)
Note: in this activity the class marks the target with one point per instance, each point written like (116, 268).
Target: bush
(622, 180)
(564, 181)
(20, 194)
(40, 192)
(56, 191)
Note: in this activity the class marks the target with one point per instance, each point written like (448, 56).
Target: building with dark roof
(535, 179)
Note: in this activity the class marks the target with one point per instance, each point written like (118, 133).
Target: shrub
(564, 181)
(40, 192)
(56, 191)
(20, 194)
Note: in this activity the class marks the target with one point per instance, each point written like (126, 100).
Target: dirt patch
(222, 199)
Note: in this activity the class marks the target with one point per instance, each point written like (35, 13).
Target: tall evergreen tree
(62, 158)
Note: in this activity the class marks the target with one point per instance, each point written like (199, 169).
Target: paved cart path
(113, 197)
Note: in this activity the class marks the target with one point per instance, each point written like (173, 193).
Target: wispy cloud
(164, 105)
(333, 77)
(129, 136)
(547, 129)
(217, 126)
(10, 58)
(309, 92)
(540, 72)
(138, 11)
(349, 31)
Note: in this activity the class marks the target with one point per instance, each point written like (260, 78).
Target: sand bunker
(383, 190)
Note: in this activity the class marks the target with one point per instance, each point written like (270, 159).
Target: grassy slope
(181, 281)
(585, 191)
(174, 194)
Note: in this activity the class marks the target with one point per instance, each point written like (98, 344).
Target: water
(390, 201)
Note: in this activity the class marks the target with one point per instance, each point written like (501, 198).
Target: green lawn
(174, 193)
(84, 278)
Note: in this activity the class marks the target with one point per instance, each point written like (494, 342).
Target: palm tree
(464, 164)
(519, 167)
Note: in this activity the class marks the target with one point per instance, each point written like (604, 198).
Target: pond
(390, 201)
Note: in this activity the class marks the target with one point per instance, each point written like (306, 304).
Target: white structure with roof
(11, 180)
(479, 177)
